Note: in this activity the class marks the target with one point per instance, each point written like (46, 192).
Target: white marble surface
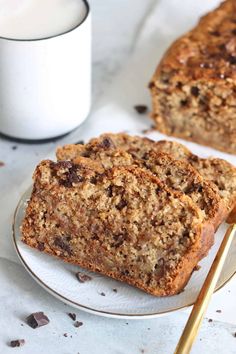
(117, 29)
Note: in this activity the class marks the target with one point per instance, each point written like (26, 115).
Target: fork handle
(192, 326)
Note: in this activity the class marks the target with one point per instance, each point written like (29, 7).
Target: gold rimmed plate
(107, 297)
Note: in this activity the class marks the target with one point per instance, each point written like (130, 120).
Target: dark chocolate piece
(141, 108)
(37, 319)
(72, 316)
(78, 324)
(82, 278)
(17, 343)
(80, 142)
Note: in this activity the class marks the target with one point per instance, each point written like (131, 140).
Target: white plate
(59, 279)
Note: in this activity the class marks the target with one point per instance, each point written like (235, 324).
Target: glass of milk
(45, 67)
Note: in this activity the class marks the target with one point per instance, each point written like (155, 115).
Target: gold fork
(194, 321)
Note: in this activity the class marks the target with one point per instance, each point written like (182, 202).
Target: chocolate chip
(232, 59)
(72, 316)
(78, 324)
(183, 103)
(14, 147)
(41, 246)
(151, 85)
(141, 108)
(107, 143)
(37, 319)
(102, 294)
(109, 191)
(179, 85)
(59, 242)
(121, 205)
(80, 142)
(222, 46)
(17, 343)
(119, 240)
(195, 91)
(215, 33)
(93, 180)
(82, 278)
(206, 65)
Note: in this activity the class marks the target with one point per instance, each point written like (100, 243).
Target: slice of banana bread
(122, 222)
(194, 87)
(176, 174)
(218, 171)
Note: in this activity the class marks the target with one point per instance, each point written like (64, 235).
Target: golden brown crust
(194, 87)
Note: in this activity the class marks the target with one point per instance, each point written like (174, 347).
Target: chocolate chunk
(219, 311)
(102, 294)
(17, 343)
(141, 108)
(121, 204)
(109, 191)
(119, 240)
(206, 65)
(184, 103)
(80, 142)
(41, 246)
(215, 33)
(179, 85)
(37, 319)
(151, 85)
(78, 324)
(82, 278)
(232, 59)
(59, 242)
(72, 316)
(107, 143)
(93, 180)
(195, 91)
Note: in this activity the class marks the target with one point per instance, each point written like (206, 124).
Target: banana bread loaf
(194, 87)
(122, 222)
(218, 171)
